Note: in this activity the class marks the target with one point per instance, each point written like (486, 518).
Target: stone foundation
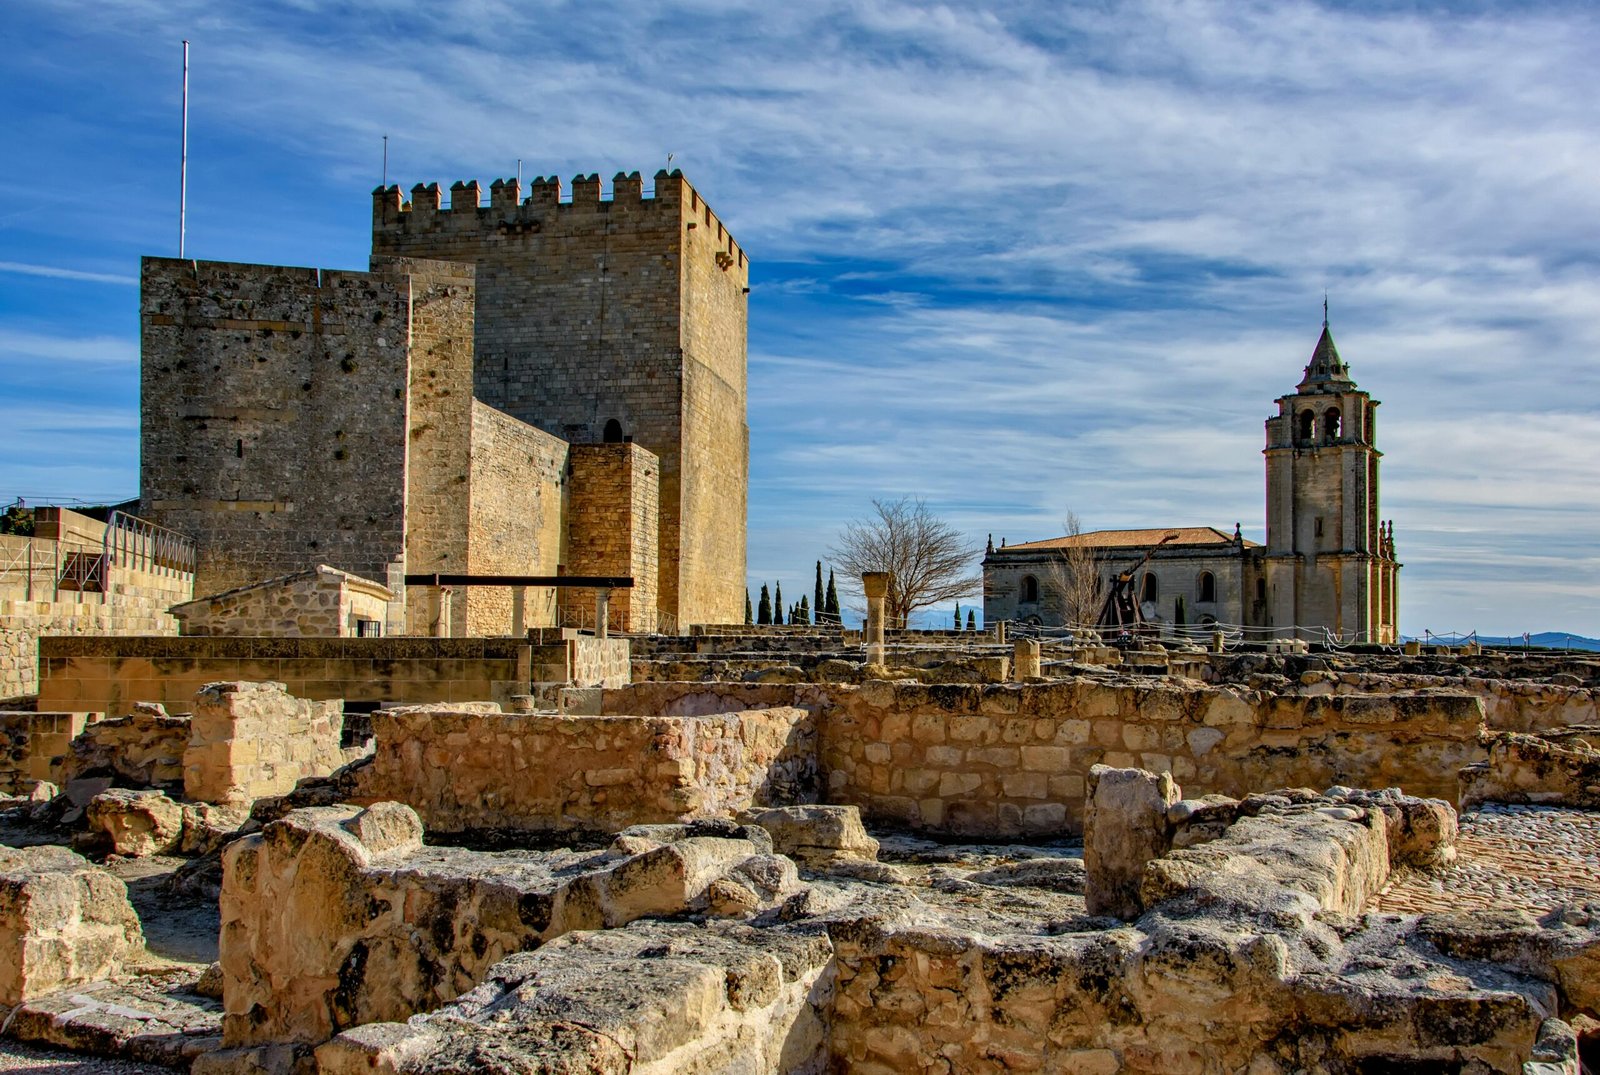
(336, 917)
(37, 747)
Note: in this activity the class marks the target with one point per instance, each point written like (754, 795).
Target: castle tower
(611, 320)
(1329, 560)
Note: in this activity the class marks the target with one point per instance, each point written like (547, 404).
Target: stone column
(519, 610)
(602, 613)
(1000, 633)
(439, 609)
(1025, 662)
(876, 586)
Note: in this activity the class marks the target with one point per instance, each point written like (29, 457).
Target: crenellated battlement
(509, 211)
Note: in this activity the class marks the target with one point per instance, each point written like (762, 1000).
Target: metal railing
(140, 545)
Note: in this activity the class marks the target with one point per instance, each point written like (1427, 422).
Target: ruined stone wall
(613, 528)
(255, 376)
(1510, 705)
(251, 740)
(109, 675)
(472, 769)
(629, 310)
(322, 602)
(1013, 760)
(36, 747)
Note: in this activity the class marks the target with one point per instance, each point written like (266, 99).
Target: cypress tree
(777, 603)
(972, 624)
(804, 615)
(764, 613)
(831, 607)
(958, 615)
(749, 617)
(816, 594)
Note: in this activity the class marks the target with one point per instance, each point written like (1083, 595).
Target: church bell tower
(1329, 562)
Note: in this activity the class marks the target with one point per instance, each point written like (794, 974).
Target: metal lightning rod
(183, 160)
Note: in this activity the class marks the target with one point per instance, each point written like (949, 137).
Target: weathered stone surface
(817, 835)
(1125, 827)
(63, 922)
(1554, 770)
(653, 999)
(322, 931)
(157, 1017)
(143, 749)
(138, 823)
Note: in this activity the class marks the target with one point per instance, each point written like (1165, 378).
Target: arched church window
(1308, 423)
(1148, 590)
(1330, 424)
(1030, 589)
(1208, 587)
(613, 433)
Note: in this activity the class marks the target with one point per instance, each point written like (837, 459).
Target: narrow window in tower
(1029, 591)
(1330, 424)
(1261, 591)
(1208, 587)
(1308, 421)
(613, 432)
(1319, 526)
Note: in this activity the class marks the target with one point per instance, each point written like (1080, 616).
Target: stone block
(63, 922)
(817, 835)
(1125, 826)
(139, 823)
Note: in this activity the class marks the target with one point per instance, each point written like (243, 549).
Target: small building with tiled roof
(1327, 570)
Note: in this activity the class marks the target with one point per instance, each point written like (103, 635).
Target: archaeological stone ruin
(458, 759)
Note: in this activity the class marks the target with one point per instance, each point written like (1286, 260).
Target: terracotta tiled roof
(1133, 539)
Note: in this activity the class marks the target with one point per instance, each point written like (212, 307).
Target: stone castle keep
(530, 387)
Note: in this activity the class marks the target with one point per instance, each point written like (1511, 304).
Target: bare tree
(1074, 577)
(929, 559)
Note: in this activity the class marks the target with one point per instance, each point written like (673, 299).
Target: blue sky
(1015, 258)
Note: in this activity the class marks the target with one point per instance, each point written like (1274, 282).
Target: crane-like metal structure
(1120, 614)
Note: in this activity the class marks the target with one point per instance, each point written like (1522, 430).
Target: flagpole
(183, 162)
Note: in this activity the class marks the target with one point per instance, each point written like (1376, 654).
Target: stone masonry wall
(631, 310)
(24, 623)
(109, 675)
(467, 769)
(1013, 760)
(251, 740)
(255, 376)
(612, 527)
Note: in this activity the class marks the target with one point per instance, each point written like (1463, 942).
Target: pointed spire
(1326, 369)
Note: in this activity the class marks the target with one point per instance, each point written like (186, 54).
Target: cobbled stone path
(1531, 858)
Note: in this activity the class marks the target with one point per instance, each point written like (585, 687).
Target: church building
(1328, 567)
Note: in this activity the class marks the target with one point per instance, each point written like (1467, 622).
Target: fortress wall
(273, 410)
(514, 525)
(612, 527)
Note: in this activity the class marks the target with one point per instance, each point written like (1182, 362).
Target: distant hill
(1549, 639)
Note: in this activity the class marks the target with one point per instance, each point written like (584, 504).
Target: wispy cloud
(1013, 255)
(68, 274)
